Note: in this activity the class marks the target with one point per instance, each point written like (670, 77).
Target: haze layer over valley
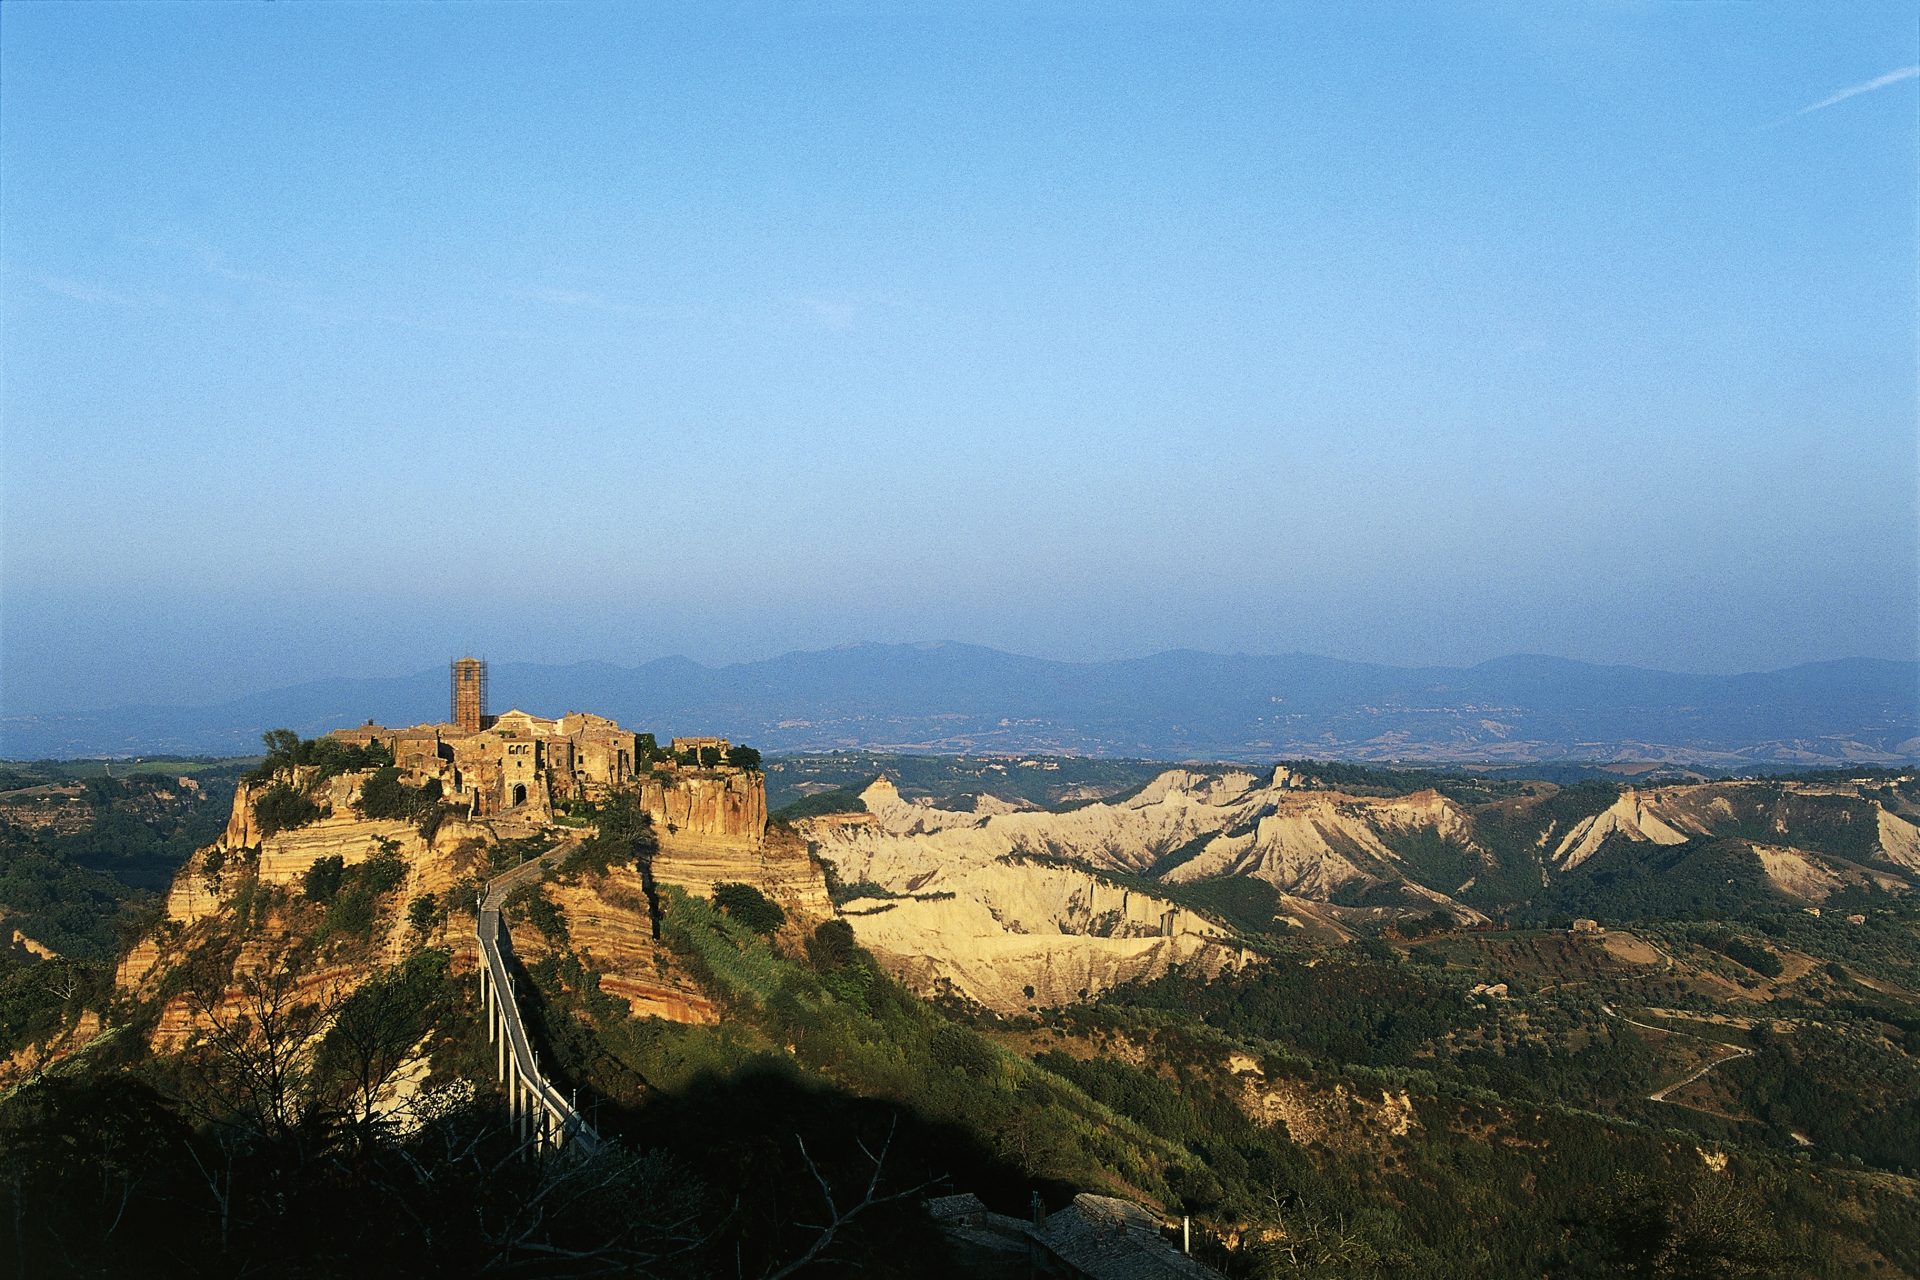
(1172, 706)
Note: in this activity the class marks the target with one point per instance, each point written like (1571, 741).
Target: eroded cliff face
(1019, 934)
(779, 865)
(238, 903)
(1809, 837)
(727, 805)
(609, 926)
(1630, 817)
(981, 904)
(1183, 826)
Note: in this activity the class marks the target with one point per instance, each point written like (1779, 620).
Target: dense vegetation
(76, 868)
(325, 757)
(820, 804)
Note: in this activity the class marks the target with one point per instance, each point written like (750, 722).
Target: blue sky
(338, 338)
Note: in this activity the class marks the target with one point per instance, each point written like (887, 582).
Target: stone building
(526, 764)
(519, 761)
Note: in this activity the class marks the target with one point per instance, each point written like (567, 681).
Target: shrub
(385, 870)
(384, 796)
(623, 834)
(328, 756)
(749, 906)
(540, 911)
(832, 945)
(422, 910)
(322, 880)
(281, 808)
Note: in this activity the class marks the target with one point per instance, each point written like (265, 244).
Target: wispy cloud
(215, 263)
(1854, 91)
(570, 298)
(93, 295)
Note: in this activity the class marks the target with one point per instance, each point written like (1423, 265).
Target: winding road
(1660, 1095)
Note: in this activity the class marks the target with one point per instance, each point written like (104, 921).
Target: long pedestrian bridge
(541, 1116)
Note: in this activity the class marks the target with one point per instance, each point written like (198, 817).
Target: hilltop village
(527, 767)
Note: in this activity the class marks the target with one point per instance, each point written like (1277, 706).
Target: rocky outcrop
(1630, 817)
(779, 865)
(1795, 874)
(1899, 839)
(725, 804)
(1312, 843)
(1009, 973)
(609, 926)
(1341, 1117)
(32, 947)
(70, 1039)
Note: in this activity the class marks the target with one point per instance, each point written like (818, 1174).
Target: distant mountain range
(946, 698)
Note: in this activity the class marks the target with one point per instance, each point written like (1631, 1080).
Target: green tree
(422, 911)
(832, 945)
(281, 808)
(748, 906)
(321, 881)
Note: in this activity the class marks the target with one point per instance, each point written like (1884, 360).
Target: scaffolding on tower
(469, 693)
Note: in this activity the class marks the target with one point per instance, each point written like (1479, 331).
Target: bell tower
(470, 694)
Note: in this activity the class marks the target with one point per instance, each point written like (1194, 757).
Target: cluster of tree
(528, 902)
(1371, 780)
(60, 905)
(38, 998)
(351, 894)
(1741, 951)
(1703, 879)
(384, 795)
(749, 906)
(1843, 1087)
(1358, 1006)
(820, 804)
(623, 836)
(79, 892)
(327, 756)
(713, 757)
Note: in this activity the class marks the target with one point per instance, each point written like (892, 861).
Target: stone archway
(519, 793)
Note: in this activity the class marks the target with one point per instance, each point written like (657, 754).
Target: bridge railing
(540, 1114)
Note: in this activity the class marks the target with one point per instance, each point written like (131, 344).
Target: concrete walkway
(540, 1115)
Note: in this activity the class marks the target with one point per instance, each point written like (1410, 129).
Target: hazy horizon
(435, 665)
(339, 339)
